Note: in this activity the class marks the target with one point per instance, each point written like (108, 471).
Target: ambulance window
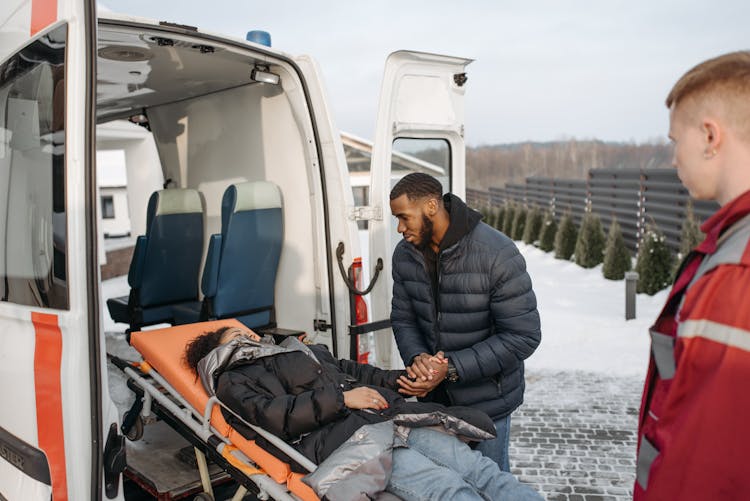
(431, 156)
(33, 240)
(108, 207)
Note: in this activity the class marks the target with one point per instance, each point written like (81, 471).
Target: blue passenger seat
(166, 261)
(240, 272)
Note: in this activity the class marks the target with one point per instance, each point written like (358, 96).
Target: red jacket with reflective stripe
(699, 421)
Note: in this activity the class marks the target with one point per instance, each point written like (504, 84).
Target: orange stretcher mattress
(164, 350)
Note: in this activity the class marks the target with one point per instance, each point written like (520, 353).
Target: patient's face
(236, 332)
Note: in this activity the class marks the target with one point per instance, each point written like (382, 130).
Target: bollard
(631, 279)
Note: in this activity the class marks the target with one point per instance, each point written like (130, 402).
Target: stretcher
(167, 388)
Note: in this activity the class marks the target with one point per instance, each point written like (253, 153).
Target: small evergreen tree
(617, 258)
(519, 223)
(547, 232)
(691, 234)
(510, 215)
(499, 217)
(488, 215)
(533, 224)
(565, 238)
(655, 262)
(589, 250)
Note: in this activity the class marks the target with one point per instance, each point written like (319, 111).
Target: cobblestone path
(574, 437)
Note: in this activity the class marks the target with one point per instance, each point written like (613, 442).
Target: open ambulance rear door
(51, 424)
(331, 186)
(420, 128)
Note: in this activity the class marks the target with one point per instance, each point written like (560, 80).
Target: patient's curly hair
(201, 346)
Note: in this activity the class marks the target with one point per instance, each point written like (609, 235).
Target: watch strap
(452, 374)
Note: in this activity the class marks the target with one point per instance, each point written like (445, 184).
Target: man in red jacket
(694, 429)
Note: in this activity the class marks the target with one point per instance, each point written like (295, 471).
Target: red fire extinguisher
(358, 310)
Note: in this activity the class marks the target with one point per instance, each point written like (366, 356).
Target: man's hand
(364, 398)
(414, 388)
(425, 373)
(425, 367)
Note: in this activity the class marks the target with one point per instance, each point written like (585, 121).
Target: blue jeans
(497, 449)
(436, 465)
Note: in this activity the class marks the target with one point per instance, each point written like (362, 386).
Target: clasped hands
(424, 374)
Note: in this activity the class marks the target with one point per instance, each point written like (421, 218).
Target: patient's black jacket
(298, 395)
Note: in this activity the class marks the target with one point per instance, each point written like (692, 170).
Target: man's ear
(432, 207)
(713, 136)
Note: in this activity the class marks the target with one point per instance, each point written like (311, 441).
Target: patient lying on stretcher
(349, 419)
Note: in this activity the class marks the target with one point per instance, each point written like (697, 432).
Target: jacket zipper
(436, 301)
(436, 298)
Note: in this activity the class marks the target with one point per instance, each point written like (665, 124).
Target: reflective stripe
(646, 456)
(662, 347)
(730, 248)
(721, 333)
(49, 415)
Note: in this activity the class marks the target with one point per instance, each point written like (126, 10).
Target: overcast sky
(543, 70)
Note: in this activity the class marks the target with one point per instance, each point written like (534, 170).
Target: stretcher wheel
(203, 496)
(136, 431)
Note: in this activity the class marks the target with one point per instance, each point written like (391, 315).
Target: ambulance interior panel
(213, 125)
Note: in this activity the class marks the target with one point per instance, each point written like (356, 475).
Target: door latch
(320, 325)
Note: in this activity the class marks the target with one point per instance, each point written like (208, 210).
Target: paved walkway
(574, 437)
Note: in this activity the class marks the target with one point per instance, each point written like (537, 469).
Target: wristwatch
(452, 375)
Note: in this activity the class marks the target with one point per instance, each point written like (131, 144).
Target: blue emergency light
(259, 37)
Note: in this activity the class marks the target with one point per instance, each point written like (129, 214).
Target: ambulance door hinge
(366, 213)
(320, 325)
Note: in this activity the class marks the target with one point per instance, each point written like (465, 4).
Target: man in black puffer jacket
(350, 417)
(461, 294)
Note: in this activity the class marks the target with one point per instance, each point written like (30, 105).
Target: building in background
(431, 156)
(113, 193)
(125, 156)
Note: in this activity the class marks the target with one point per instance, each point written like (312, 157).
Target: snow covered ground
(583, 318)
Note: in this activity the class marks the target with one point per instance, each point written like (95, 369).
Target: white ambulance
(221, 110)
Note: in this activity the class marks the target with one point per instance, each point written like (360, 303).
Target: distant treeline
(496, 165)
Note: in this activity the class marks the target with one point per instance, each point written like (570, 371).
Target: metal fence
(636, 197)
(616, 193)
(569, 196)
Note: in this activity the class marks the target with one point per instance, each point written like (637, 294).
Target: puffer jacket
(296, 392)
(485, 317)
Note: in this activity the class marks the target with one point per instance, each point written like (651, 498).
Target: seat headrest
(254, 195)
(178, 201)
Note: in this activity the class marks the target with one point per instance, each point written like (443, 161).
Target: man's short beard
(425, 234)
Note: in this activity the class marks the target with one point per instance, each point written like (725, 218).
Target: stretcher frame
(249, 465)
